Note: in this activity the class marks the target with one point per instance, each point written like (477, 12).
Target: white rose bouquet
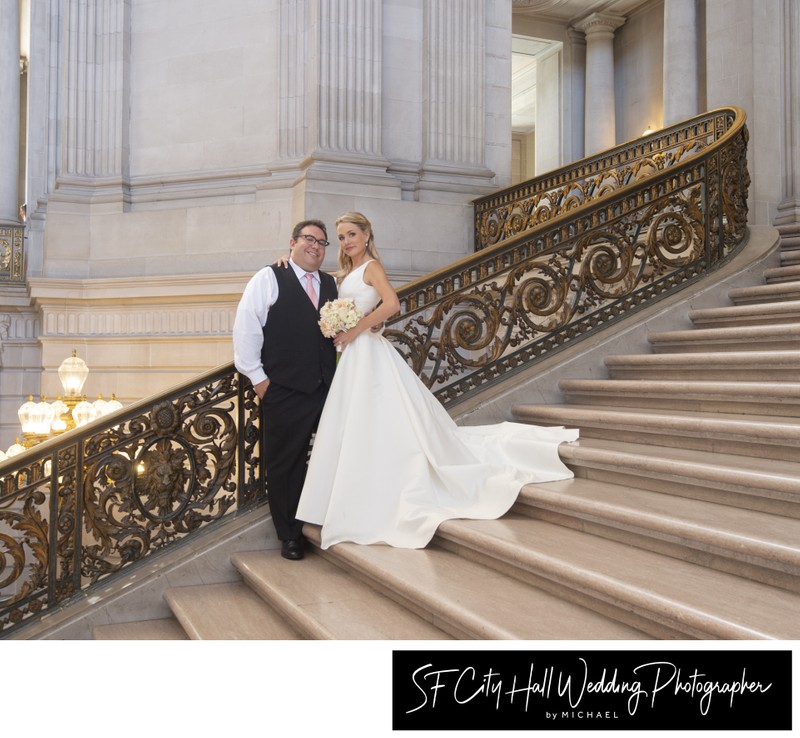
(337, 316)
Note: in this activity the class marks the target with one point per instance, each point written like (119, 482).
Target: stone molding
(203, 306)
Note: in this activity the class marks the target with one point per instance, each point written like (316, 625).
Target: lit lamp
(83, 413)
(36, 419)
(60, 410)
(72, 373)
(41, 420)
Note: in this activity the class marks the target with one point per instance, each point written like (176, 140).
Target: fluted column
(788, 213)
(94, 121)
(455, 106)
(454, 100)
(330, 95)
(681, 94)
(600, 114)
(9, 110)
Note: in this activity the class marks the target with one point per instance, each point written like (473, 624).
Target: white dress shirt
(259, 295)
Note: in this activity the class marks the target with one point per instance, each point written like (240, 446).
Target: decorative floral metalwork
(12, 266)
(575, 250)
(99, 499)
(566, 254)
(518, 209)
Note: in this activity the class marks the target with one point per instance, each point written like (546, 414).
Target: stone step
(751, 483)
(780, 337)
(790, 237)
(758, 546)
(660, 593)
(760, 436)
(470, 601)
(227, 611)
(753, 366)
(777, 292)
(791, 257)
(322, 602)
(162, 629)
(781, 274)
(760, 398)
(771, 313)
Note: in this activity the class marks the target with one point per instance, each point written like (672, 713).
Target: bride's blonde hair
(360, 220)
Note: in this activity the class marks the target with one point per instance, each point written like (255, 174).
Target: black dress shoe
(292, 549)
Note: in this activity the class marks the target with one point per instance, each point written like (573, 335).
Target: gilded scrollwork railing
(12, 254)
(509, 212)
(535, 291)
(77, 510)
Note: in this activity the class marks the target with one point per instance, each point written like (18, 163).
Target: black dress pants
(290, 419)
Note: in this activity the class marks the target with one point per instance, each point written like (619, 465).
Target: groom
(278, 346)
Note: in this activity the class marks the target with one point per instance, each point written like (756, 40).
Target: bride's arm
(375, 276)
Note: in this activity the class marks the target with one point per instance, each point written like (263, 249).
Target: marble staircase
(682, 521)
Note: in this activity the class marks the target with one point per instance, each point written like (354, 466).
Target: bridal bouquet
(337, 316)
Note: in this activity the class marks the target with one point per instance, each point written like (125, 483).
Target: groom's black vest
(295, 353)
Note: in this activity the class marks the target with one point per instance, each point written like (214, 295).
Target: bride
(388, 463)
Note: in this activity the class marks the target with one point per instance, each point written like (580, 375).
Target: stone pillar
(94, 118)
(681, 95)
(600, 113)
(454, 98)
(330, 94)
(788, 212)
(575, 91)
(9, 110)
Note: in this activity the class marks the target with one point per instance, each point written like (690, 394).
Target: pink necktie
(312, 293)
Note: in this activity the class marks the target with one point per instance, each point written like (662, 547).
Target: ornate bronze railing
(662, 221)
(79, 509)
(520, 208)
(12, 254)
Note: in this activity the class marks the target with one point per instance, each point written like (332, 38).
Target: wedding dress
(389, 464)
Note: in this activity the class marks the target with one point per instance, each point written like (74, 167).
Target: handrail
(493, 312)
(12, 254)
(80, 509)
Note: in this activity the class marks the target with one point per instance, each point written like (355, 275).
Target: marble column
(94, 120)
(330, 94)
(9, 110)
(681, 94)
(600, 113)
(454, 99)
(575, 91)
(455, 105)
(788, 212)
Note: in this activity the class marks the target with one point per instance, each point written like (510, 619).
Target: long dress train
(389, 464)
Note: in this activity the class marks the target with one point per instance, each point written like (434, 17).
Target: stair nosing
(588, 581)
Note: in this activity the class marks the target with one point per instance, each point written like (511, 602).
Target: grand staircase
(682, 520)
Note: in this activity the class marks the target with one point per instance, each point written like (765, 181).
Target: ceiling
(573, 11)
(525, 51)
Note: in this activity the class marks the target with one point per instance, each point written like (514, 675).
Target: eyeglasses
(310, 240)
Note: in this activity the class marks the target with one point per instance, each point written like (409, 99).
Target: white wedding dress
(389, 464)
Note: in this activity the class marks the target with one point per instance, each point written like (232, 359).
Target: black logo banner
(592, 690)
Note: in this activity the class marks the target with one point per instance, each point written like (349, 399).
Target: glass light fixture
(14, 449)
(99, 406)
(26, 413)
(42, 420)
(113, 404)
(60, 409)
(43, 417)
(83, 413)
(72, 373)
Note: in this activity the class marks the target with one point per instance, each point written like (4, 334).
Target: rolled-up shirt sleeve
(259, 295)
